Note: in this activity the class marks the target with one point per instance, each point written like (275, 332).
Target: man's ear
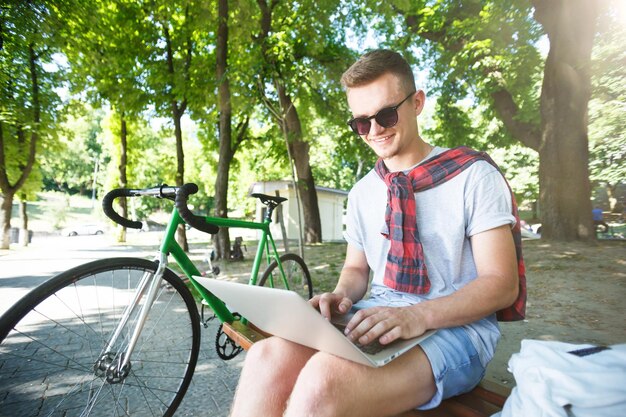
(419, 100)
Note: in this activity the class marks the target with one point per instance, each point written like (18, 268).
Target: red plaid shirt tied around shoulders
(406, 270)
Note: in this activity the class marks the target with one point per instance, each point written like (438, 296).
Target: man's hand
(329, 303)
(385, 324)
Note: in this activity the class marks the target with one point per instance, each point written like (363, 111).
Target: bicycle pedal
(205, 322)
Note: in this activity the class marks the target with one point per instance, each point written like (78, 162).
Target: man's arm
(495, 287)
(350, 288)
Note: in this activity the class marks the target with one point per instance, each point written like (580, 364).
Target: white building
(331, 204)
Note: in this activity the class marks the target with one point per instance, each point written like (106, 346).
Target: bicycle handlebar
(197, 222)
(178, 194)
(107, 206)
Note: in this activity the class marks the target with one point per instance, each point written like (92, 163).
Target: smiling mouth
(381, 140)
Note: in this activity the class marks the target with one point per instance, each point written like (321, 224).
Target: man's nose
(375, 128)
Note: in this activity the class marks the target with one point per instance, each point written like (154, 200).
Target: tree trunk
(226, 153)
(8, 189)
(6, 199)
(23, 239)
(299, 150)
(565, 190)
(122, 170)
(177, 109)
(180, 154)
(561, 140)
(281, 222)
(359, 169)
(7, 208)
(181, 235)
(614, 203)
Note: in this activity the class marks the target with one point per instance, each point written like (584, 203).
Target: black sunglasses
(387, 117)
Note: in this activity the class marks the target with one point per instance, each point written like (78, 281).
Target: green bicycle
(121, 336)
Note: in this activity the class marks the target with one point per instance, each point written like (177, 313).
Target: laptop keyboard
(371, 348)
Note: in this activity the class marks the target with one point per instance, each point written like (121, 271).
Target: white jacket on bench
(553, 382)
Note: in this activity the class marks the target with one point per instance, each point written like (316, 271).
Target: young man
(452, 272)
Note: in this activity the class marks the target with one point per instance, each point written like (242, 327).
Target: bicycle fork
(115, 366)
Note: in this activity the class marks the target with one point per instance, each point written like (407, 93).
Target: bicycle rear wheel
(296, 273)
(52, 343)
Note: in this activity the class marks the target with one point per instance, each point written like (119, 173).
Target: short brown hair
(376, 63)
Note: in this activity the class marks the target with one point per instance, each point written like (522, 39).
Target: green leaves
(607, 138)
(475, 48)
(473, 52)
(28, 78)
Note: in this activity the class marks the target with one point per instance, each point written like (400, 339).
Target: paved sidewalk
(24, 268)
(21, 269)
(213, 385)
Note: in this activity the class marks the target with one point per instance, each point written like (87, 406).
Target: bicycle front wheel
(54, 359)
(297, 276)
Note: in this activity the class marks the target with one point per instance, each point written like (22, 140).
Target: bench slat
(243, 334)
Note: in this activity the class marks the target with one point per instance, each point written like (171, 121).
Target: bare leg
(267, 379)
(331, 386)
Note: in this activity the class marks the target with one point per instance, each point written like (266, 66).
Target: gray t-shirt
(474, 201)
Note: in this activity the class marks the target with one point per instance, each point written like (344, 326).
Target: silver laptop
(285, 314)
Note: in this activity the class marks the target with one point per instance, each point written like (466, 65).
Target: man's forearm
(352, 283)
(473, 302)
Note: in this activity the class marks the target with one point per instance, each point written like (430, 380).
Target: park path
(22, 269)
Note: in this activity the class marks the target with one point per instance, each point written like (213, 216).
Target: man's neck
(409, 159)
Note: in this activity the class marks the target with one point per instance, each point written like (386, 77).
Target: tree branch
(4, 179)
(439, 36)
(526, 133)
(545, 14)
(268, 103)
(36, 120)
(189, 48)
(503, 101)
(241, 129)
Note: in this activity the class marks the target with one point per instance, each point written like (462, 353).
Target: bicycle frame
(169, 246)
(266, 248)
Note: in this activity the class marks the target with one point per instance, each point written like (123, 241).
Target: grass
(54, 210)
(616, 231)
(323, 260)
(575, 290)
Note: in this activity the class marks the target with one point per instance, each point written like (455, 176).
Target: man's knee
(276, 356)
(264, 350)
(266, 380)
(321, 370)
(320, 385)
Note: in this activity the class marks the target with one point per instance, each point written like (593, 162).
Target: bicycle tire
(298, 276)
(51, 340)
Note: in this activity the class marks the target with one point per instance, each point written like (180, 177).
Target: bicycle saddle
(269, 200)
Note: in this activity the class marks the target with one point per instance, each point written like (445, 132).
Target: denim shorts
(455, 363)
(453, 358)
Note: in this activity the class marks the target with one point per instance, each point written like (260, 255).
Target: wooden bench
(483, 401)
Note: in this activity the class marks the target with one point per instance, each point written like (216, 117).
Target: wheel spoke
(296, 275)
(60, 331)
